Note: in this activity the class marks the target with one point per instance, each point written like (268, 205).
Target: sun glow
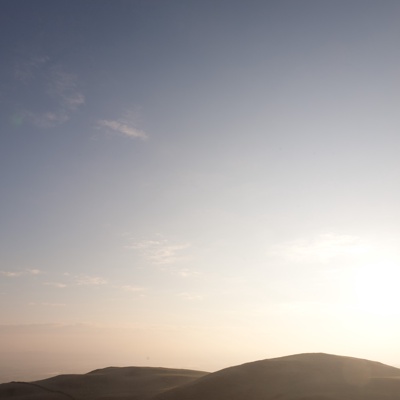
(375, 288)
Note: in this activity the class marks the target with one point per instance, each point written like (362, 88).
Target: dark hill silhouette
(298, 377)
(112, 383)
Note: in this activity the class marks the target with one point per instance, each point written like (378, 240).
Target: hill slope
(297, 377)
(134, 383)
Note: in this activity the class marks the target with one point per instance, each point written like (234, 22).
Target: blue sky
(198, 183)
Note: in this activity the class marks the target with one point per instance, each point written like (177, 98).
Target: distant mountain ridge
(312, 376)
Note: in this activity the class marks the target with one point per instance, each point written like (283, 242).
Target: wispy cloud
(160, 252)
(46, 119)
(56, 284)
(25, 70)
(63, 87)
(18, 273)
(34, 271)
(11, 274)
(125, 126)
(132, 288)
(190, 296)
(52, 84)
(40, 328)
(186, 272)
(322, 248)
(84, 280)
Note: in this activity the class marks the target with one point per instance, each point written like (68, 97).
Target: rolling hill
(314, 376)
(134, 383)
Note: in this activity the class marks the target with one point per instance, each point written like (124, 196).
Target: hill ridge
(303, 376)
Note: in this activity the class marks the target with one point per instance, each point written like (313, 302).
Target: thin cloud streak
(131, 288)
(34, 271)
(46, 304)
(160, 252)
(90, 281)
(57, 85)
(47, 119)
(63, 87)
(10, 274)
(55, 284)
(16, 274)
(190, 296)
(186, 272)
(45, 327)
(26, 70)
(322, 248)
(122, 128)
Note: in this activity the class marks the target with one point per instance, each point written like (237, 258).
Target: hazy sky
(198, 183)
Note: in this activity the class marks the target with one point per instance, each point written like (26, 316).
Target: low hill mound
(30, 391)
(133, 383)
(298, 377)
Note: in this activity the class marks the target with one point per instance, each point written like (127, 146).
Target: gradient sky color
(197, 184)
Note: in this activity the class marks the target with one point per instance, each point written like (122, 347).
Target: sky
(197, 184)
